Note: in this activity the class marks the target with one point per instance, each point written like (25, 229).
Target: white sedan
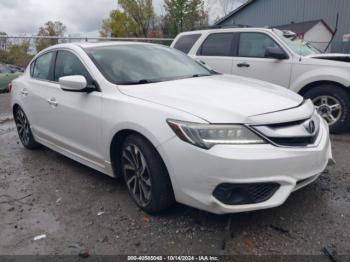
(174, 129)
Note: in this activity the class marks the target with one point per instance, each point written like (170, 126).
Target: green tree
(17, 54)
(134, 18)
(118, 25)
(140, 12)
(182, 15)
(49, 29)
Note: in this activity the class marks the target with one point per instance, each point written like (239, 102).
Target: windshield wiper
(139, 82)
(200, 75)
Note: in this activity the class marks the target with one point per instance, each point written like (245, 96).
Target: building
(317, 32)
(272, 13)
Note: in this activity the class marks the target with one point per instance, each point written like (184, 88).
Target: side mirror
(275, 53)
(75, 83)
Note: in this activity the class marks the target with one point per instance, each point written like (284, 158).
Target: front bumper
(195, 172)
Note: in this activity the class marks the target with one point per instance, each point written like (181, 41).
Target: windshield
(144, 63)
(297, 44)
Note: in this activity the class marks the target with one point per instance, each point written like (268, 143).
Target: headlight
(207, 135)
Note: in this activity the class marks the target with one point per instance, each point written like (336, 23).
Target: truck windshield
(297, 44)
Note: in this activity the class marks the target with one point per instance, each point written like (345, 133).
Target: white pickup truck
(279, 57)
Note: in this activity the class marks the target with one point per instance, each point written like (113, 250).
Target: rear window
(185, 43)
(218, 44)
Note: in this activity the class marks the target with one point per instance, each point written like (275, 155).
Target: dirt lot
(42, 192)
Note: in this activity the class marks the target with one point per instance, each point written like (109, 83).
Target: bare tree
(228, 5)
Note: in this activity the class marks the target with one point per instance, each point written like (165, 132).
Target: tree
(118, 25)
(49, 29)
(226, 6)
(134, 18)
(140, 12)
(184, 15)
(17, 54)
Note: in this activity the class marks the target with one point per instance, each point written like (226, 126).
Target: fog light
(243, 194)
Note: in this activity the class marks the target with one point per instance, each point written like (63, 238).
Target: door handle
(25, 92)
(243, 64)
(52, 102)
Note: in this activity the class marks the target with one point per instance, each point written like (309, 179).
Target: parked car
(172, 128)
(279, 57)
(7, 74)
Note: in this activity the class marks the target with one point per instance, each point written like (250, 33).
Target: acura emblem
(310, 126)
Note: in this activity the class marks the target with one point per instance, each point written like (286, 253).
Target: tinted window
(42, 67)
(67, 64)
(217, 45)
(186, 42)
(144, 63)
(254, 44)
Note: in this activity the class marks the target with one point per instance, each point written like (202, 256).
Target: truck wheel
(333, 104)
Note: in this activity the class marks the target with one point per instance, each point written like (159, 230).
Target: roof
(303, 27)
(107, 43)
(225, 29)
(96, 44)
(237, 10)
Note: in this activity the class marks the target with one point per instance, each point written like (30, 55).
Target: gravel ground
(82, 210)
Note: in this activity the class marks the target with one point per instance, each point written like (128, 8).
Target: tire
(24, 131)
(145, 175)
(325, 98)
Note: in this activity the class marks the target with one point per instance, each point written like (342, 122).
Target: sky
(81, 17)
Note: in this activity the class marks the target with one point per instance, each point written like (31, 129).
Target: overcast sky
(19, 17)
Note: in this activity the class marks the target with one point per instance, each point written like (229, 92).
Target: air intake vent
(243, 194)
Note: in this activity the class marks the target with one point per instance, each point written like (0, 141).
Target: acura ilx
(174, 129)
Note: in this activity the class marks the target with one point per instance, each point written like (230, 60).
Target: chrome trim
(318, 134)
(307, 128)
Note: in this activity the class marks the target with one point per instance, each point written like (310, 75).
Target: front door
(77, 115)
(251, 61)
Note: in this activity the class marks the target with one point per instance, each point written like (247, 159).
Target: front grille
(242, 194)
(294, 141)
(291, 134)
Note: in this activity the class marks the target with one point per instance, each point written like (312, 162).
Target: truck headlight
(208, 135)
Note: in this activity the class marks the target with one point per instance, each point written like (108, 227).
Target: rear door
(36, 93)
(217, 51)
(185, 42)
(250, 60)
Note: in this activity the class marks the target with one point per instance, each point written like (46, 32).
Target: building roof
(237, 10)
(303, 27)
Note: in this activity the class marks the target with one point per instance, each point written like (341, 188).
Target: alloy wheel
(23, 127)
(136, 173)
(329, 108)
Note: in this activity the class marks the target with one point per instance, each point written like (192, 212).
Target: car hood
(218, 98)
(332, 57)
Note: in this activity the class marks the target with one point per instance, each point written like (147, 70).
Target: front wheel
(145, 175)
(333, 104)
(23, 128)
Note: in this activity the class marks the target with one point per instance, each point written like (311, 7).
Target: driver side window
(67, 64)
(254, 45)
